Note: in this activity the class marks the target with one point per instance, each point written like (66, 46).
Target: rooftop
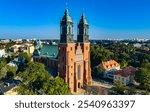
(50, 51)
(126, 72)
(108, 65)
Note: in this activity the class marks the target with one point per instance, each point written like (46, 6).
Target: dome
(66, 17)
(83, 20)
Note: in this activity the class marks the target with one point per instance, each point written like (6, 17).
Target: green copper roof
(50, 51)
(83, 20)
(36, 52)
(66, 17)
(35, 43)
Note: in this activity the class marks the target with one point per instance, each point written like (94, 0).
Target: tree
(11, 72)
(36, 80)
(26, 56)
(123, 63)
(2, 63)
(3, 72)
(118, 88)
(143, 76)
(99, 54)
(131, 91)
(3, 69)
(97, 71)
(56, 86)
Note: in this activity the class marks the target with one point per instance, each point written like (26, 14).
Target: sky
(114, 19)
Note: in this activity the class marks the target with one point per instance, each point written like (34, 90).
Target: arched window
(79, 72)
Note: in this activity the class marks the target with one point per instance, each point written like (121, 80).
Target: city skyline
(41, 18)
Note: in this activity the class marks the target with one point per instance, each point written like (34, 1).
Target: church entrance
(79, 85)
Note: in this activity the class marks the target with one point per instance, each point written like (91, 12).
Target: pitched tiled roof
(126, 72)
(112, 64)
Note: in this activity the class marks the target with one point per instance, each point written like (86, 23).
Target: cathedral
(70, 59)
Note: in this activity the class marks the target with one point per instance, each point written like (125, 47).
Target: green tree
(143, 76)
(56, 86)
(3, 72)
(123, 63)
(118, 88)
(97, 71)
(11, 72)
(26, 56)
(131, 91)
(36, 80)
(3, 69)
(2, 62)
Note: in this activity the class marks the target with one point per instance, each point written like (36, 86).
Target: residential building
(15, 48)
(28, 48)
(137, 45)
(109, 67)
(6, 41)
(18, 41)
(71, 60)
(7, 87)
(126, 76)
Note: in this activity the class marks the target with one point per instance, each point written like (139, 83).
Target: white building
(109, 67)
(137, 45)
(5, 41)
(2, 53)
(126, 76)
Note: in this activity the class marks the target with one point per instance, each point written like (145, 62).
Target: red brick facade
(74, 65)
(74, 58)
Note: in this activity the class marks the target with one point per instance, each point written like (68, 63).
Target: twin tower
(74, 58)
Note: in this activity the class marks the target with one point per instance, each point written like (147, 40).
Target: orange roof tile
(109, 65)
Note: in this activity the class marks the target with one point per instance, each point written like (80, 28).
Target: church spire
(66, 28)
(83, 28)
(66, 17)
(83, 20)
